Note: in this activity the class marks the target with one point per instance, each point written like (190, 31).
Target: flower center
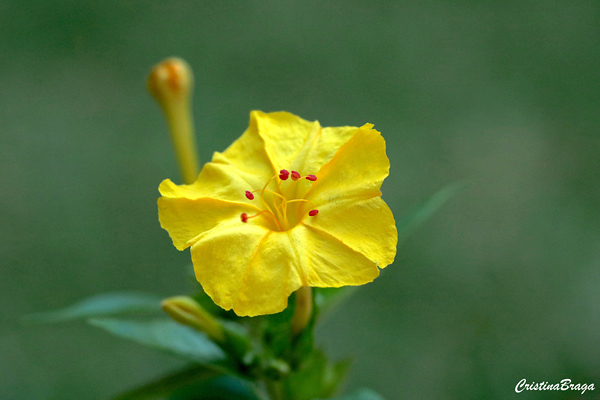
(280, 205)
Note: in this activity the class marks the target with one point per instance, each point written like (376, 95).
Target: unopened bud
(171, 83)
(187, 311)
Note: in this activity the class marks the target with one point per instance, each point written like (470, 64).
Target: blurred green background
(501, 284)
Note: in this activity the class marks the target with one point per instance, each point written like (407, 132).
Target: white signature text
(565, 384)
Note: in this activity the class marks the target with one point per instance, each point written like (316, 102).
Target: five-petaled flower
(289, 204)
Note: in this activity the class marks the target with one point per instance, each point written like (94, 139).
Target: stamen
(284, 174)
(275, 193)
(281, 207)
(262, 197)
(245, 217)
(276, 204)
(308, 201)
(311, 213)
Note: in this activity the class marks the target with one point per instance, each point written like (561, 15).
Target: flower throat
(277, 206)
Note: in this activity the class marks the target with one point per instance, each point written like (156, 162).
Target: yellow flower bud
(187, 311)
(171, 80)
(171, 83)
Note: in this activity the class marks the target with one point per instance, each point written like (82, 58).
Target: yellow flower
(289, 204)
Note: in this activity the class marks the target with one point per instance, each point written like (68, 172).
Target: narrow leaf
(165, 335)
(102, 305)
(425, 210)
(170, 383)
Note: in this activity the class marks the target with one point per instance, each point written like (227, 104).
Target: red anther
(249, 195)
(311, 177)
(295, 176)
(245, 217)
(312, 213)
(284, 174)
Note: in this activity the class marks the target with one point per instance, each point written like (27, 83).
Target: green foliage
(165, 335)
(317, 377)
(219, 388)
(102, 305)
(423, 211)
(254, 349)
(277, 330)
(170, 383)
(193, 383)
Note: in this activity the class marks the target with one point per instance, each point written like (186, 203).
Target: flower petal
(297, 144)
(248, 153)
(271, 276)
(324, 261)
(356, 170)
(186, 218)
(222, 255)
(302, 256)
(219, 181)
(284, 135)
(366, 226)
(320, 147)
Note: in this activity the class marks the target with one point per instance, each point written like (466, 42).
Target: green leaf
(193, 383)
(422, 212)
(360, 394)
(171, 383)
(102, 305)
(277, 334)
(316, 378)
(237, 341)
(279, 340)
(220, 388)
(165, 335)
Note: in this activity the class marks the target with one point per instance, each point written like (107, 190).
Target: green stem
(181, 126)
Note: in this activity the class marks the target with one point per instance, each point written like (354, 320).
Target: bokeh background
(501, 284)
